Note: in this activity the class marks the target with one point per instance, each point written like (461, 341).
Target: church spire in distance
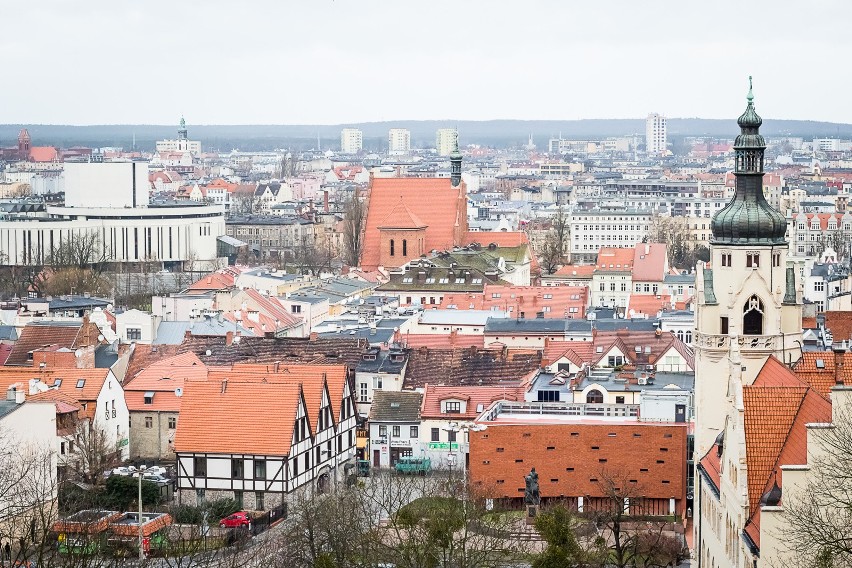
(455, 162)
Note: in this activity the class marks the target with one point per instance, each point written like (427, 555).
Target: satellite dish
(178, 391)
(78, 353)
(208, 353)
(100, 337)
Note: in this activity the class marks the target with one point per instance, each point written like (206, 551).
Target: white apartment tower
(351, 141)
(399, 141)
(655, 134)
(748, 305)
(445, 140)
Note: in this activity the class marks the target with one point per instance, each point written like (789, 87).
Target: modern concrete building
(655, 134)
(399, 141)
(351, 141)
(445, 140)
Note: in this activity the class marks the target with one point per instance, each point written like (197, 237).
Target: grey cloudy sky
(339, 61)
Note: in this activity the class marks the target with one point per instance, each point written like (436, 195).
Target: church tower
(748, 304)
(24, 145)
(455, 162)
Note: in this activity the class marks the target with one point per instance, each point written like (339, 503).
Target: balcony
(723, 342)
(506, 409)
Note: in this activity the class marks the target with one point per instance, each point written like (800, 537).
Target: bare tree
(354, 225)
(818, 516)
(681, 249)
(94, 452)
(553, 250)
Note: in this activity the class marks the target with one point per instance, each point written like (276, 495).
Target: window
(753, 260)
(495, 294)
(615, 360)
(149, 398)
(753, 316)
(404, 247)
(413, 432)
(237, 470)
(452, 407)
(363, 393)
(726, 259)
(395, 432)
(383, 431)
(172, 423)
(391, 247)
(260, 469)
(619, 400)
(436, 435)
(594, 396)
(258, 500)
(377, 383)
(819, 286)
(776, 259)
(296, 309)
(238, 497)
(199, 467)
(81, 383)
(451, 435)
(723, 325)
(149, 422)
(134, 333)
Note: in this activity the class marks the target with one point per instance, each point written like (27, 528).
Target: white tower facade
(399, 141)
(749, 303)
(351, 141)
(655, 134)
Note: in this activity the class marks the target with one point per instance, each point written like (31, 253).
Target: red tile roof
(220, 280)
(401, 217)
(648, 304)
(576, 271)
(209, 409)
(777, 409)
(528, 299)
(823, 377)
(649, 262)
(440, 340)
(438, 205)
(615, 259)
(43, 154)
(499, 238)
(476, 397)
(840, 324)
(39, 335)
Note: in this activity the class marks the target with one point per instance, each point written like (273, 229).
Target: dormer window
(81, 383)
(149, 397)
(57, 383)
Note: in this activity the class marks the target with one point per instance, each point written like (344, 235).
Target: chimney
(224, 385)
(839, 353)
(325, 200)
(314, 336)
(229, 339)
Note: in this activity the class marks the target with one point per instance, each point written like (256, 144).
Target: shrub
(221, 508)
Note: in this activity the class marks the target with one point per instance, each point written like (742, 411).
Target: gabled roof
(777, 408)
(469, 366)
(614, 260)
(43, 154)
(839, 323)
(36, 335)
(266, 412)
(393, 406)
(823, 376)
(65, 403)
(476, 397)
(649, 262)
(433, 201)
(401, 217)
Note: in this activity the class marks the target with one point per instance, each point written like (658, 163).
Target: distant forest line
(495, 133)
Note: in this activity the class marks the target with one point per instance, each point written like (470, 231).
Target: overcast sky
(346, 61)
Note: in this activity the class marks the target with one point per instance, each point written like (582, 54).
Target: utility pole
(139, 519)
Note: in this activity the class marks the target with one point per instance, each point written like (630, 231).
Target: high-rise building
(399, 141)
(351, 141)
(445, 138)
(655, 134)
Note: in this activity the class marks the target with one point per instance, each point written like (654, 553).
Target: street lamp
(141, 471)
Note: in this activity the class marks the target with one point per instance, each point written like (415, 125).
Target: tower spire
(749, 219)
(455, 161)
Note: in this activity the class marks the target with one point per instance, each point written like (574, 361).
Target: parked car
(239, 519)
(156, 478)
(414, 465)
(122, 471)
(158, 470)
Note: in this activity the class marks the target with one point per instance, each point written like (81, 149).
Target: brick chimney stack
(839, 357)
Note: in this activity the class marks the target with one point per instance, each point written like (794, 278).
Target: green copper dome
(749, 219)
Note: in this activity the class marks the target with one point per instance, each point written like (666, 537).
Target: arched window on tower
(391, 247)
(404, 247)
(687, 337)
(594, 396)
(753, 316)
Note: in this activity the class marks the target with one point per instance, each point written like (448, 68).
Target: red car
(240, 519)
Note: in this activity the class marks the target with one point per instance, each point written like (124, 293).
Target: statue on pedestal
(531, 493)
